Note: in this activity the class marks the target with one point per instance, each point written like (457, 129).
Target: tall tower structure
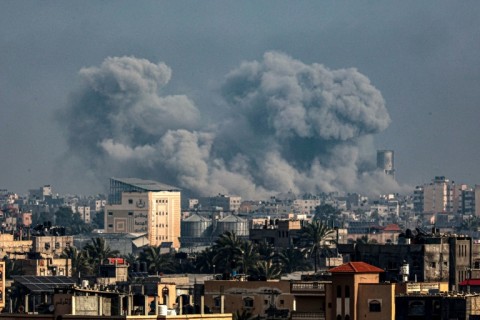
(385, 162)
(136, 205)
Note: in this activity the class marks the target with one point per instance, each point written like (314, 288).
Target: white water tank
(162, 310)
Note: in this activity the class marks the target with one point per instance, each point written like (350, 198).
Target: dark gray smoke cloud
(289, 126)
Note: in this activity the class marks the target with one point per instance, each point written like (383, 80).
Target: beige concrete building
(136, 205)
(12, 248)
(356, 293)
(51, 246)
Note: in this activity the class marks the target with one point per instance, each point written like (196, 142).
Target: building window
(130, 213)
(130, 201)
(57, 245)
(339, 291)
(216, 302)
(374, 306)
(47, 245)
(248, 303)
(110, 225)
(347, 292)
(416, 308)
(110, 213)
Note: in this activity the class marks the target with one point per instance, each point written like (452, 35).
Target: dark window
(110, 225)
(375, 306)
(416, 308)
(130, 213)
(130, 201)
(347, 292)
(339, 291)
(110, 213)
(47, 246)
(216, 301)
(248, 303)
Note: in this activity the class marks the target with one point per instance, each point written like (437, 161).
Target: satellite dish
(51, 308)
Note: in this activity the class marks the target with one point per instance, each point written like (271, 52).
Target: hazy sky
(421, 57)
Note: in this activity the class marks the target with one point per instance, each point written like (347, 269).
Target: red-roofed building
(469, 285)
(356, 267)
(357, 294)
(392, 228)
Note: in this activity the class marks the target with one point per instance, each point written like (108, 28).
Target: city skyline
(415, 63)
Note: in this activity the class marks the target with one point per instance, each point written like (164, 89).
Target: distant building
(136, 205)
(385, 162)
(225, 202)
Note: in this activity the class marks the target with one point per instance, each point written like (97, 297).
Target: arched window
(374, 306)
(339, 291)
(347, 292)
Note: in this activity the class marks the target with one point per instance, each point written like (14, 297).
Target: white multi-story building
(136, 205)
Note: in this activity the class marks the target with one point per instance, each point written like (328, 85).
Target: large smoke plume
(289, 127)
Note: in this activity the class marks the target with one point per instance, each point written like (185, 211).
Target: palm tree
(313, 235)
(292, 259)
(244, 315)
(266, 250)
(130, 259)
(205, 261)
(12, 268)
(157, 261)
(249, 256)
(228, 251)
(268, 269)
(79, 260)
(98, 251)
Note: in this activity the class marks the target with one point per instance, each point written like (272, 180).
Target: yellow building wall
(381, 292)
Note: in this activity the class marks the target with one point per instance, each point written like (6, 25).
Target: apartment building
(144, 206)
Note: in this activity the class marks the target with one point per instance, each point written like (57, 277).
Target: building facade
(144, 206)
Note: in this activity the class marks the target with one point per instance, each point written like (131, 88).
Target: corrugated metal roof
(147, 185)
(232, 218)
(196, 218)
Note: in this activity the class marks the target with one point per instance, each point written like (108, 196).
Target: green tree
(313, 238)
(249, 256)
(268, 269)
(79, 261)
(97, 251)
(156, 261)
(244, 315)
(327, 212)
(293, 259)
(205, 261)
(12, 268)
(228, 251)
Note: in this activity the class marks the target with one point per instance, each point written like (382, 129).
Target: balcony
(308, 287)
(297, 315)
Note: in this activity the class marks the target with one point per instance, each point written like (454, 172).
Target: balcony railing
(296, 315)
(308, 287)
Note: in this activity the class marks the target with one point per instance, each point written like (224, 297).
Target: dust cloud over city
(285, 126)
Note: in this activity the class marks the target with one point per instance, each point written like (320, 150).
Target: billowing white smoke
(291, 126)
